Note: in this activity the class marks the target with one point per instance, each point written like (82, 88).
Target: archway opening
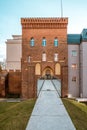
(47, 73)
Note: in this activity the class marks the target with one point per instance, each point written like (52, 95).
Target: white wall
(73, 86)
(14, 54)
(83, 69)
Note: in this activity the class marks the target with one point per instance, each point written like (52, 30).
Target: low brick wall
(14, 82)
(3, 76)
(10, 83)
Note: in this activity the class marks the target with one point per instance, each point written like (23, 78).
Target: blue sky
(12, 10)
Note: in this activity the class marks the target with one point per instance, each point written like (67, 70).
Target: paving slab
(49, 112)
(81, 99)
(10, 99)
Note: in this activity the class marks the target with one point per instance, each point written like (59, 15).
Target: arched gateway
(47, 73)
(45, 55)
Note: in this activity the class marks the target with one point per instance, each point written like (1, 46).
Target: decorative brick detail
(43, 23)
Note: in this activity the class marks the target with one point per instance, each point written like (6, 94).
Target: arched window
(44, 56)
(56, 42)
(32, 42)
(56, 57)
(37, 69)
(43, 41)
(29, 59)
(57, 69)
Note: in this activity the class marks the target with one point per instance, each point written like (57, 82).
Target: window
(32, 42)
(55, 42)
(74, 66)
(29, 59)
(43, 41)
(74, 78)
(74, 53)
(44, 56)
(56, 57)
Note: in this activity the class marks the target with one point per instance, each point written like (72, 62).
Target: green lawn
(14, 116)
(77, 112)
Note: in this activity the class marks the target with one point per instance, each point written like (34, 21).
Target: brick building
(47, 52)
(44, 51)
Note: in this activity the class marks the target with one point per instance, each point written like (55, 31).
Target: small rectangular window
(56, 57)
(74, 53)
(74, 66)
(29, 59)
(44, 57)
(74, 78)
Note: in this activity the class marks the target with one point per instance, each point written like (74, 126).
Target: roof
(74, 39)
(84, 34)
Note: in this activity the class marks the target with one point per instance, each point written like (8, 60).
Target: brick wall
(64, 81)
(14, 82)
(3, 78)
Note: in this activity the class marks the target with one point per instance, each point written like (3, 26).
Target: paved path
(49, 112)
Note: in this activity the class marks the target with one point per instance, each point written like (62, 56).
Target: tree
(0, 68)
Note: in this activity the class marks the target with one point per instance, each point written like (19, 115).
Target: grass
(14, 116)
(77, 112)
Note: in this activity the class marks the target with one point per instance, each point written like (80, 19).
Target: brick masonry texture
(10, 83)
(14, 82)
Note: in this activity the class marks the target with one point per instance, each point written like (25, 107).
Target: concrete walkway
(49, 112)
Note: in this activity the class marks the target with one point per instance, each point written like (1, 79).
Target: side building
(73, 64)
(77, 64)
(83, 64)
(14, 53)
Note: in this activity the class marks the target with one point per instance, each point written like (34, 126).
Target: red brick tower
(44, 51)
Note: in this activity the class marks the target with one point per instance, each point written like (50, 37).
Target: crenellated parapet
(43, 23)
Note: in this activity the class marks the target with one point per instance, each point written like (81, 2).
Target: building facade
(45, 50)
(77, 64)
(14, 53)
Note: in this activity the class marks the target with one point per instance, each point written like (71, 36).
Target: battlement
(44, 22)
